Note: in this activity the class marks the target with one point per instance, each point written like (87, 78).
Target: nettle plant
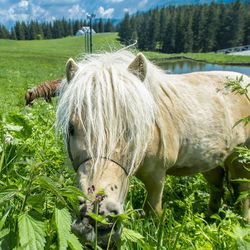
(243, 153)
(37, 195)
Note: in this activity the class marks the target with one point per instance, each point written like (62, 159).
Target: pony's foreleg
(154, 184)
(214, 178)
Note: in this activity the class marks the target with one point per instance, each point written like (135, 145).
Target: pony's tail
(47, 90)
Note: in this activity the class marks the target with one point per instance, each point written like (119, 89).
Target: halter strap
(108, 159)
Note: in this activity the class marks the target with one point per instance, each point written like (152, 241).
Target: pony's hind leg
(214, 178)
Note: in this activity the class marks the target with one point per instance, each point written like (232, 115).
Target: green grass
(37, 182)
(206, 57)
(24, 64)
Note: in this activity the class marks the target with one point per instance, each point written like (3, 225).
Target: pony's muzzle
(89, 230)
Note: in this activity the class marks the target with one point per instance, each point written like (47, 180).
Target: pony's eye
(71, 129)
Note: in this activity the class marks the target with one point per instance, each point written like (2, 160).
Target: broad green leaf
(119, 216)
(241, 232)
(12, 127)
(131, 235)
(63, 226)
(36, 201)
(19, 120)
(242, 244)
(31, 232)
(7, 194)
(74, 243)
(73, 192)
(49, 185)
(98, 218)
(2, 221)
(4, 232)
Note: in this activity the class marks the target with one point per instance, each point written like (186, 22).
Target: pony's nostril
(81, 200)
(101, 212)
(114, 211)
(113, 208)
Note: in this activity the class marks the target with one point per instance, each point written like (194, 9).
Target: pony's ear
(139, 67)
(71, 68)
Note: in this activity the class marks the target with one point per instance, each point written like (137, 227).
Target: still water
(187, 66)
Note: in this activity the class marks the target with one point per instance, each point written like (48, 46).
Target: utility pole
(90, 17)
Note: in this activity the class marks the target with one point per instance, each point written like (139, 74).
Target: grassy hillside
(24, 64)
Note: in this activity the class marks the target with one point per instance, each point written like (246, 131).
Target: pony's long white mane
(114, 108)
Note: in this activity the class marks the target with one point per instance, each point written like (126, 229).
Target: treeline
(50, 30)
(193, 28)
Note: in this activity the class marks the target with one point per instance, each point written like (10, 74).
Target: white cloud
(37, 11)
(25, 11)
(76, 12)
(108, 13)
(57, 2)
(23, 4)
(142, 3)
(126, 10)
(114, 1)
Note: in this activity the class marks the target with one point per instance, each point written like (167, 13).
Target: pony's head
(107, 114)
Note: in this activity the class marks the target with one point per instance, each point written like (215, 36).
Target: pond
(187, 66)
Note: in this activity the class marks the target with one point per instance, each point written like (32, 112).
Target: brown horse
(123, 116)
(47, 90)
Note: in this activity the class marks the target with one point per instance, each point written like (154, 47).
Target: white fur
(113, 105)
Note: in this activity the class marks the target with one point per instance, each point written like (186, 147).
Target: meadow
(38, 194)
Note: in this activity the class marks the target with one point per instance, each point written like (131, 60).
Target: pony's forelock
(114, 108)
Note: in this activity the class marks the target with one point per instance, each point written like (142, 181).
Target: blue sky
(49, 10)
(25, 10)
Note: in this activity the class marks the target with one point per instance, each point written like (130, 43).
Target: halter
(105, 158)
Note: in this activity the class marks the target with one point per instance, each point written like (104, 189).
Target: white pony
(123, 116)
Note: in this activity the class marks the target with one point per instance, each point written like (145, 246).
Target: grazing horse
(123, 116)
(47, 90)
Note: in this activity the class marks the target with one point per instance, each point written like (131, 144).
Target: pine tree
(13, 34)
(125, 30)
(108, 27)
(247, 24)
(237, 25)
(101, 25)
(154, 30)
(169, 34)
(95, 26)
(33, 31)
(71, 30)
(76, 26)
(202, 26)
(180, 31)
(164, 20)
(39, 31)
(19, 29)
(143, 33)
(188, 31)
(4, 34)
(223, 34)
(211, 28)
